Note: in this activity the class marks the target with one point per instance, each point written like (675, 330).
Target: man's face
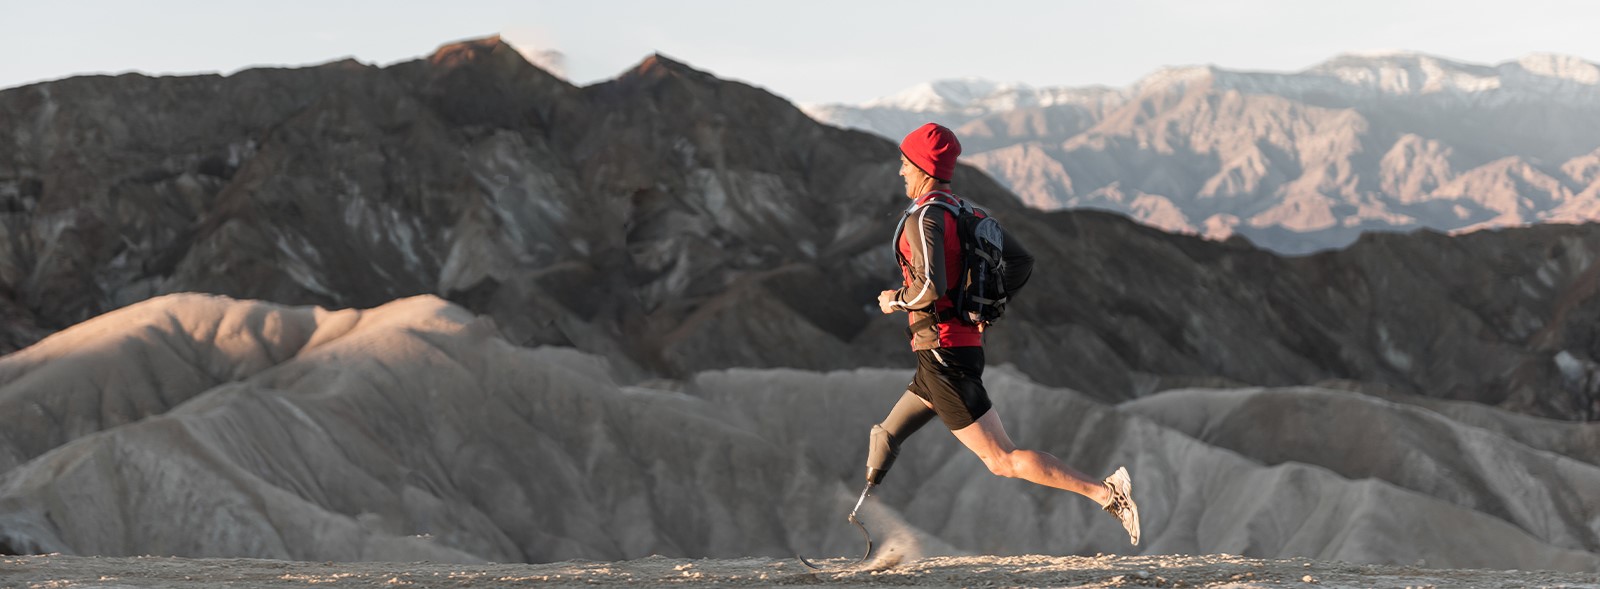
(911, 175)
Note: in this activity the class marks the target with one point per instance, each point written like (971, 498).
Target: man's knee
(910, 413)
(1002, 464)
(882, 449)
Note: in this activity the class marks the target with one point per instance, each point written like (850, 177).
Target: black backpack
(979, 291)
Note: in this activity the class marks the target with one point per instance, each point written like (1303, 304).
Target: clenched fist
(886, 300)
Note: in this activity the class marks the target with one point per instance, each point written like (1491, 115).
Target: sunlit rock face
(675, 223)
(1295, 162)
(196, 425)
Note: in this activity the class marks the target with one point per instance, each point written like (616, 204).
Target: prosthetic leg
(908, 415)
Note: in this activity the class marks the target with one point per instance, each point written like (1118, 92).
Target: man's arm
(925, 234)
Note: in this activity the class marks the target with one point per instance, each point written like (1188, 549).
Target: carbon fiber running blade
(864, 556)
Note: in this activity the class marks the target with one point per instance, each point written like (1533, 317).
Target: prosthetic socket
(909, 415)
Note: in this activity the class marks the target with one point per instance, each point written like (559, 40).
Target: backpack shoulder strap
(954, 205)
(950, 202)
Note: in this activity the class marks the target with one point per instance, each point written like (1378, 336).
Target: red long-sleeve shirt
(930, 256)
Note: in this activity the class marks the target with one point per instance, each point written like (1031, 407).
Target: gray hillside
(1547, 494)
(415, 431)
(121, 368)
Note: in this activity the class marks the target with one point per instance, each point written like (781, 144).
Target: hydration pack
(979, 291)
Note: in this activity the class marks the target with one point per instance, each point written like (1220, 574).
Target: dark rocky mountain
(674, 223)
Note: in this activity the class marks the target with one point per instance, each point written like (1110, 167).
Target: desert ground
(1217, 570)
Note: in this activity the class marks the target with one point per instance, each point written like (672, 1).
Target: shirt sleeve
(1019, 264)
(924, 234)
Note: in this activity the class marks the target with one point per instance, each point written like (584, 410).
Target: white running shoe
(1121, 505)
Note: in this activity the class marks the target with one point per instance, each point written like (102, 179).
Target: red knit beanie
(933, 149)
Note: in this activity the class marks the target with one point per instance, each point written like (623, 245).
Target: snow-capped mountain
(1397, 74)
(977, 97)
(956, 102)
(1300, 161)
(938, 96)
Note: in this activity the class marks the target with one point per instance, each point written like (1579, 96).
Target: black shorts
(951, 379)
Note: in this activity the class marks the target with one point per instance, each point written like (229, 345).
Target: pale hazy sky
(813, 51)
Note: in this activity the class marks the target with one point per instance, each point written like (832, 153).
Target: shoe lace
(1118, 504)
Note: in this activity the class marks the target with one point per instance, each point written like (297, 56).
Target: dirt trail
(57, 571)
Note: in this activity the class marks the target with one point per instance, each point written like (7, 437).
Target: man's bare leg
(987, 438)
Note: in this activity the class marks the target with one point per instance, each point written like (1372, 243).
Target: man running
(948, 382)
